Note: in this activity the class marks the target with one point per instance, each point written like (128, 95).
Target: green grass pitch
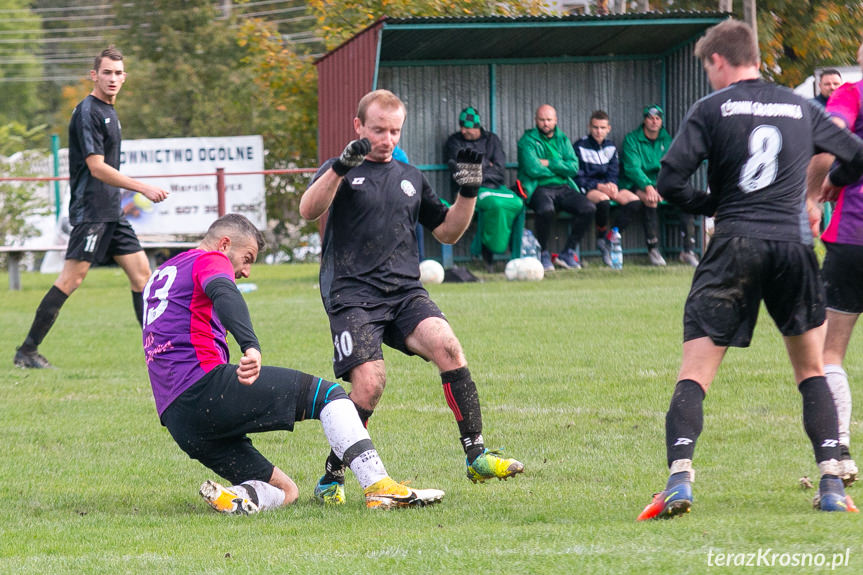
(575, 374)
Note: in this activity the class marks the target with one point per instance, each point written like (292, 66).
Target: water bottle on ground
(529, 245)
(616, 249)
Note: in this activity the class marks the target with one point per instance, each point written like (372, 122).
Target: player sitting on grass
(209, 405)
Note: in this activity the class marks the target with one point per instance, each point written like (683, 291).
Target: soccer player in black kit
(369, 276)
(758, 139)
(99, 230)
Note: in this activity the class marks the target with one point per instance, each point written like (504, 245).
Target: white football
(530, 269)
(524, 269)
(511, 269)
(431, 272)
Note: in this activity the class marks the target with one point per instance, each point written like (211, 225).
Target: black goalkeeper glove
(352, 156)
(468, 172)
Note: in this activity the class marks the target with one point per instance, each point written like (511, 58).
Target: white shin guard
(837, 381)
(346, 435)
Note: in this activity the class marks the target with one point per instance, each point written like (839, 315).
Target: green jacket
(640, 159)
(562, 161)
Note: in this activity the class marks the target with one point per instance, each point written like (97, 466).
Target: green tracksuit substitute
(640, 159)
(562, 161)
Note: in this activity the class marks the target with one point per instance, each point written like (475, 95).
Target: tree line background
(225, 68)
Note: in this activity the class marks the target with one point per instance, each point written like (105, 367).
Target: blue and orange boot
(675, 500)
(832, 497)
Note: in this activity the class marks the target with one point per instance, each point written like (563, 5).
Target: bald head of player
(236, 237)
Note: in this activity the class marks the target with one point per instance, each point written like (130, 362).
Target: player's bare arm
(818, 188)
(816, 179)
(105, 173)
(318, 197)
(652, 196)
(457, 220)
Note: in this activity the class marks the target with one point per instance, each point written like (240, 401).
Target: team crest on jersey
(408, 188)
(358, 181)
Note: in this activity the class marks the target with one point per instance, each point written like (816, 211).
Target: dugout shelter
(506, 68)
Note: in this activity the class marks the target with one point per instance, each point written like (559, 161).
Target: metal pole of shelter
(220, 190)
(750, 16)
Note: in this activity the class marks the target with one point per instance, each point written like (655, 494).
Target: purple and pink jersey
(846, 223)
(183, 337)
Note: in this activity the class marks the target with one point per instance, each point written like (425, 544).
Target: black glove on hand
(468, 172)
(352, 156)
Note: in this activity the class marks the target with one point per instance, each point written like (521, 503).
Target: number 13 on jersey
(166, 276)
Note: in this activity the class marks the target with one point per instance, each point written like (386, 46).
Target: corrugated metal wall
(435, 95)
(507, 95)
(344, 76)
(687, 82)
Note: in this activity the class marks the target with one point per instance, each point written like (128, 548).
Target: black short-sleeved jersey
(370, 245)
(758, 139)
(93, 129)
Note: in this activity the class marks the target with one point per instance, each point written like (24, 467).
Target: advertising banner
(193, 202)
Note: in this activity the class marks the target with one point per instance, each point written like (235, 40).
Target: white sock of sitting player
(351, 442)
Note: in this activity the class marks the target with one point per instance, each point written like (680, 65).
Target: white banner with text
(193, 202)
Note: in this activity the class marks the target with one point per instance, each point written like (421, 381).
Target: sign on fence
(193, 203)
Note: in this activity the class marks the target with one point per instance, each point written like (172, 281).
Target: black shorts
(359, 331)
(546, 199)
(842, 273)
(736, 274)
(98, 242)
(210, 420)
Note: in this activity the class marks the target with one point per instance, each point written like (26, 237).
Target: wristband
(339, 168)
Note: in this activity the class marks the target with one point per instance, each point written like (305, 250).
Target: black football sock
(627, 213)
(138, 304)
(651, 226)
(684, 420)
(542, 223)
(334, 469)
(463, 399)
(819, 418)
(601, 217)
(46, 314)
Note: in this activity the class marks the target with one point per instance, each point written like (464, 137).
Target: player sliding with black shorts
(210, 405)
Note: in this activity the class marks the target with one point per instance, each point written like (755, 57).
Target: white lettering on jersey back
(408, 188)
(764, 109)
(358, 181)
